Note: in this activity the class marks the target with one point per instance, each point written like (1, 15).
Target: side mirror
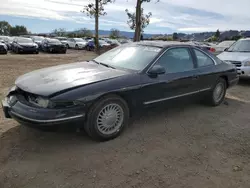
(156, 70)
(225, 49)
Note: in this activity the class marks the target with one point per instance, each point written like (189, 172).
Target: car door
(208, 72)
(179, 80)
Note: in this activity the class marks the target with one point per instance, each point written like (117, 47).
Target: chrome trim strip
(46, 121)
(176, 96)
(236, 79)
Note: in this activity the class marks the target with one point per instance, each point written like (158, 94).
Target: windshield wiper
(103, 64)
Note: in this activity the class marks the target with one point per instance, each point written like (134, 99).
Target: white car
(76, 43)
(223, 45)
(239, 55)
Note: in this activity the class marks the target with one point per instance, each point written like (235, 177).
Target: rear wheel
(217, 94)
(107, 118)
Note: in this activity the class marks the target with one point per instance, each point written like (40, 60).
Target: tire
(212, 96)
(77, 47)
(67, 46)
(108, 102)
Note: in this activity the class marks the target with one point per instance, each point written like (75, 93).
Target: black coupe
(53, 46)
(101, 94)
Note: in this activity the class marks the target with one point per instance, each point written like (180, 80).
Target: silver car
(239, 55)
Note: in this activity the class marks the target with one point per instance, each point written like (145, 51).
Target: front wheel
(217, 94)
(107, 118)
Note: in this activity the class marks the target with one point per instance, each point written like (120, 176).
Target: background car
(76, 43)
(38, 40)
(239, 55)
(223, 45)
(53, 46)
(101, 94)
(24, 45)
(7, 41)
(3, 48)
(63, 40)
(102, 44)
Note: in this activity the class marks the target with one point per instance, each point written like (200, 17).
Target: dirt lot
(189, 145)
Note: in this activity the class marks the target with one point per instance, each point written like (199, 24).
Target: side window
(176, 60)
(203, 59)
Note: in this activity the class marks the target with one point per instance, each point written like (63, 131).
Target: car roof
(164, 44)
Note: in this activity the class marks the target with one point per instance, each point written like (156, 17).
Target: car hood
(48, 81)
(234, 56)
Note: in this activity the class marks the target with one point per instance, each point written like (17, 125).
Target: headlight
(11, 100)
(42, 102)
(247, 63)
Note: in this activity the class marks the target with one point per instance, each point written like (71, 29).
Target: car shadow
(244, 82)
(20, 139)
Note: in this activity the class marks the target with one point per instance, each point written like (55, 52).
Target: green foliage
(175, 36)
(18, 30)
(145, 19)
(61, 32)
(236, 37)
(114, 33)
(217, 34)
(84, 32)
(90, 9)
(4, 28)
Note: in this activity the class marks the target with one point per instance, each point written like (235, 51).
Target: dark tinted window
(203, 59)
(176, 60)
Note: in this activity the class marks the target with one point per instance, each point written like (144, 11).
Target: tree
(4, 28)
(95, 10)
(114, 33)
(86, 32)
(217, 34)
(175, 36)
(60, 32)
(145, 19)
(18, 30)
(137, 18)
(236, 37)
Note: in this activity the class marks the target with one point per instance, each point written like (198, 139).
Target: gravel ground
(186, 145)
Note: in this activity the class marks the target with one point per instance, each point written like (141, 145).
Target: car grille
(236, 63)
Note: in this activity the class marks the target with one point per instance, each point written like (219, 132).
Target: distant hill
(193, 36)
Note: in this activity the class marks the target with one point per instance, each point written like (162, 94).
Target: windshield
(38, 38)
(129, 57)
(24, 40)
(240, 46)
(79, 40)
(54, 41)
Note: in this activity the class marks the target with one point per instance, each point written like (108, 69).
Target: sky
(168, 16)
